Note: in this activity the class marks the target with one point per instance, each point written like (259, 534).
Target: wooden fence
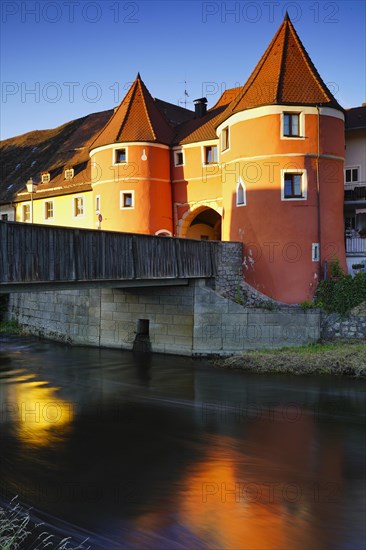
(38, 253)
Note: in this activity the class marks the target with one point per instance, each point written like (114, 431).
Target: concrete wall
(187, 320)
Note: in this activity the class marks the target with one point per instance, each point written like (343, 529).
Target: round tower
(130, 167)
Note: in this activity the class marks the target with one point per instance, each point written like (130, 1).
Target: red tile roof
(136, 119)
(203, 129)
(285, 75)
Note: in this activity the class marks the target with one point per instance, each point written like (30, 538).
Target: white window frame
(224, 131)
(293, 111)
(241, 185)
(114, 153)
(315, 252)
(304, 182)
(176, 153)
(121, 200)
(204, 147)
(356, 182)
(48, 218)
(75, 215)
(69, 174)
(24, 206)
(46, 177)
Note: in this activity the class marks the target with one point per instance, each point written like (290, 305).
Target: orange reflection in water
(41, 417)
(261, 493)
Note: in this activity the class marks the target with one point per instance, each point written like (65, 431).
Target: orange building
(263, 166)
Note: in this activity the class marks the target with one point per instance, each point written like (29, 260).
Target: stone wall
(224, 327)
(335, 327)
(184, 320)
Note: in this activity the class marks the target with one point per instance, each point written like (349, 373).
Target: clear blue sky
(63, 59)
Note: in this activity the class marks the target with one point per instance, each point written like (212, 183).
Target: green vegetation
(340, 293)
(10, 327)
(341, 358)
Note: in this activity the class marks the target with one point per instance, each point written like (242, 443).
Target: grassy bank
(10, 327)
(341, 358)
(17, 531)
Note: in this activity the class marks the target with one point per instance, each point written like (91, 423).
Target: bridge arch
(201, 222)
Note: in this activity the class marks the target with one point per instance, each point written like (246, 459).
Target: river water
(163, 452)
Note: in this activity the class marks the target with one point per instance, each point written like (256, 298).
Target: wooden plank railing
(38, 253)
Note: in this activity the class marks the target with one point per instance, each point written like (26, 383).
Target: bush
(340, 295)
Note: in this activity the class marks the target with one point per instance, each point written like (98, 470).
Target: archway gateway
(204, 224)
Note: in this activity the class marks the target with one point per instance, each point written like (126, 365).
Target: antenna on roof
(186, 94)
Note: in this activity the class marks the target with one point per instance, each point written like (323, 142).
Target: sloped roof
(285, 75)
(203, 129)
(28, 155)
(136, 119)
(175, 114)
(356, 118)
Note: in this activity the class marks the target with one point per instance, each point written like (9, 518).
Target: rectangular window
(78, 206)
(48, 210)
(211, 154)
(26, 213)
(97, 204)
(225, 139)
(291, 124)
(127, 199)
(4, 217)
(315, 252)
(178, 157)
(45, 178)
(294, 185)
(351, 175)
(120, 156)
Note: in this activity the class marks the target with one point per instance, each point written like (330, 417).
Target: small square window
(69, 174)
(179, 158)
(48, 210)
(211, 154)
(4, 217)
(46, 177)
(120, 156)
(291, 124)
(26, 213)
(78, 206)
(293, 186)
(127, 199)
(225, 139)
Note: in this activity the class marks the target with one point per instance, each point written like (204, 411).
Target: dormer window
(45, 177)
(69, 174)
(120, 156)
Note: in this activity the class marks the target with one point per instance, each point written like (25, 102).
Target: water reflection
(170, 453)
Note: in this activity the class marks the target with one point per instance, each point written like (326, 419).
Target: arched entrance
(203, 223)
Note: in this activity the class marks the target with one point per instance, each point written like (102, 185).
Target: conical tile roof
(136, 119)
(285, 75)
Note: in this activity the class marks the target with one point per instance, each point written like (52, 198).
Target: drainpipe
(318, 194)
(171, 153)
